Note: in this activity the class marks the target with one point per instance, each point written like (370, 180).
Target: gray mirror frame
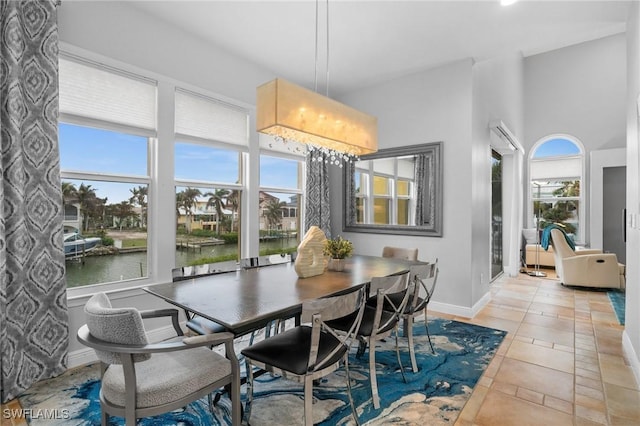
(432, 195)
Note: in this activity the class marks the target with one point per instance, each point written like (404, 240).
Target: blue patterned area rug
(617, 301)
(435, 395)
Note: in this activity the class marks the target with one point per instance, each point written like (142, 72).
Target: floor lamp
(537, 272)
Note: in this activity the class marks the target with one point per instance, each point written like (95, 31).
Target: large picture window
(556, 175)
(210, 139)
(106, 131)
(280, 201)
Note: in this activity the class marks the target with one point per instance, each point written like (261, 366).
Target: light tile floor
(561, 362)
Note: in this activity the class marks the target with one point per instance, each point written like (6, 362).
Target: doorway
(496, 214)
(614, 182)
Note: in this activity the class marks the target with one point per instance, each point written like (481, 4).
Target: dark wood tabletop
(248, 299)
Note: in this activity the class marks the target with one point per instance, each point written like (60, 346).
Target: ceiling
(371, 41)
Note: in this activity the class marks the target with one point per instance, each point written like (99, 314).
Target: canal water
(102, 269)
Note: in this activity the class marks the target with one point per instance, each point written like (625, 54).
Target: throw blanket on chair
(546, 237)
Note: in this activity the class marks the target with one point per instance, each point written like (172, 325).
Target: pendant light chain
(327, 88)
(315, 76)
(330, 156)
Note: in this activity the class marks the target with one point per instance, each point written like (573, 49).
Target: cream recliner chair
(586, 268)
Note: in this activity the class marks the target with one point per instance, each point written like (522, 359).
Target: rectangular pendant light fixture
(288, 111)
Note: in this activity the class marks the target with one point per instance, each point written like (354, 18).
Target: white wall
(581, 91)
(122, 32)
(631, 335)
(429, 106)
(498, 94)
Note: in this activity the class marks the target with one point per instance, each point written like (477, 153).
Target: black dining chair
(311, 350)
(423, 280)
(378, 323)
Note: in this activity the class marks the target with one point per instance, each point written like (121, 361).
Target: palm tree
(187, 199)
(139, 197)
(123, 211)
(88, 202)
(273, 212)
(217, 200)
(69, 191)
(233, 203)
(562, 210)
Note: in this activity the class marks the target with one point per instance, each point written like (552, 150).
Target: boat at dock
(77, 245)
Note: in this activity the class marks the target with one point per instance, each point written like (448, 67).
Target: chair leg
(104, 419)
(211, 403)
(372, 375)
(412, 350)
(362, 347)
(308, 401)
(353, 407)
(404, 379)
(247, 405)
(426, 326)
(236, 404)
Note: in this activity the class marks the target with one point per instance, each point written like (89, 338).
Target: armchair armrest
(85, 337)
(587, 251)
(169, 312)
(209, 339)
(215, 339)
(594, 270)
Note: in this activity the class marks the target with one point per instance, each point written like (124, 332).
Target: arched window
(556, 170)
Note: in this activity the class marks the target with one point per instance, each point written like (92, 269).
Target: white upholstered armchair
(142, 379)
(586, 268)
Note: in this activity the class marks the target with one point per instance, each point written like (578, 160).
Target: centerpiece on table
(337, 249)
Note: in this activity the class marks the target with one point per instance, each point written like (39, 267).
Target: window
(106, 131)
(117, 169)
(384, 190)
(556, 175)
(280, 201)
(211, 137)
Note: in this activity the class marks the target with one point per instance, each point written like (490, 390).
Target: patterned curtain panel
(317, 210)
(34, 329)
(422, 179)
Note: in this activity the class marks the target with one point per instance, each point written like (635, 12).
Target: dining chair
(400, 253)
(423, 280)
(378, 323)
(142, 379)
(311, 350)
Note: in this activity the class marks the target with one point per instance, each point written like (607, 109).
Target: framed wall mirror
(395, 191)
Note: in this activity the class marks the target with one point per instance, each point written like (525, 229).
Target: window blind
(95, 92)
(566, 167)
(210, 119)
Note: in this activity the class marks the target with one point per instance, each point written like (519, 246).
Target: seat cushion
(168, 376)
(289, 351)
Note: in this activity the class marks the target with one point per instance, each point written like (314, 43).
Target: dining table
(247, 299)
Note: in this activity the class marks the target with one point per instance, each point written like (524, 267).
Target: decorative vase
(337, 265)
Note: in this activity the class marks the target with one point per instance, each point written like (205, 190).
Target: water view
(101, 269)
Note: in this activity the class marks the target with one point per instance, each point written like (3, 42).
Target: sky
(556, 147)
(85, 149)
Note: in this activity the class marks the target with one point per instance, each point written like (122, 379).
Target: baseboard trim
(87, 355)
(631, 355)
(460, 311)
